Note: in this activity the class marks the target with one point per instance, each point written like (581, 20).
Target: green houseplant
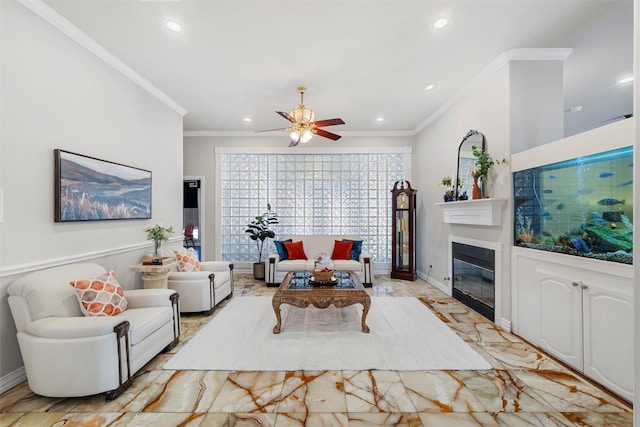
(448, 185)
(259, 230)
(484, 162)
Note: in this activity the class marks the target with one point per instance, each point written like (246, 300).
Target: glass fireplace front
(474, 277)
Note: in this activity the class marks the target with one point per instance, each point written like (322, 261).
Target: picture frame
(91, 189)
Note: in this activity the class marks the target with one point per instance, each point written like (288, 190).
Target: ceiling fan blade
(326, 134)
(328, 122)
(286, 116)
(269, 130)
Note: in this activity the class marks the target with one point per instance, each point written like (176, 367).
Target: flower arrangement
(322, 271)
(159, 234)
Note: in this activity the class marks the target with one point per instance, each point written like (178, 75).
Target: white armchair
(201, 291)
(66, 354)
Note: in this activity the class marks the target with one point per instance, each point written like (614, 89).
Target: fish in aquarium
(608, 201)
(624, 184)
(606, 174)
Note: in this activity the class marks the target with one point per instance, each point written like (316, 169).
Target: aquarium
(582, 206)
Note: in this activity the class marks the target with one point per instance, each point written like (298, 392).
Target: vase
(156, 249)
(477, 192)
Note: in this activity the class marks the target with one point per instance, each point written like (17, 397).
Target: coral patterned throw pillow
(100, 296)
(188, 261)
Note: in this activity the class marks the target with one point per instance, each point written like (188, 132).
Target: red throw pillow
(341, 250)
(295, 250)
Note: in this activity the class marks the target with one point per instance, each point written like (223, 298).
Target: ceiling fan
(303, 125)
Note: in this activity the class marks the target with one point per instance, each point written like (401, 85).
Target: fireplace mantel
(473, 212)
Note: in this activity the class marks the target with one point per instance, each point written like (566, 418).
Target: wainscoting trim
(54, 262)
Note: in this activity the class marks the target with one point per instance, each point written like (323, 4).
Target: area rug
(405, 336)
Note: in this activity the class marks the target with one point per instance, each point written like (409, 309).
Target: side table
(154, 276)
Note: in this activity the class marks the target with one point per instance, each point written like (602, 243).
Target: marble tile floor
(524, 388)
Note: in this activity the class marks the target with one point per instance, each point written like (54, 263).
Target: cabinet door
(560, 315)
(608, 340)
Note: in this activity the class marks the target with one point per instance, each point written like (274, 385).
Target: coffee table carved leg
(365, 309)
(276, 309)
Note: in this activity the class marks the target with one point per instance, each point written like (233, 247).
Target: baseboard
(12, 379)
(444, 288)
(505, 324)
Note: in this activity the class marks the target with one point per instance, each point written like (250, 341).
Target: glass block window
(312, 194)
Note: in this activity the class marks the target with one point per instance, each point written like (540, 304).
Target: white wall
(486, 109)
(199, 160)
(57, 94)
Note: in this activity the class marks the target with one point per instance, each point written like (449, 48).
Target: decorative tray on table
(322, 278)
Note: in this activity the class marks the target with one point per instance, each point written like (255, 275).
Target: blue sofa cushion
(356, 249)
(282, 251)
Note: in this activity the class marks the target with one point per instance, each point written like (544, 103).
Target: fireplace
(474, 282)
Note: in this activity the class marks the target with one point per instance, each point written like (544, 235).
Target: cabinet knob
(575, 284)
(583, 286)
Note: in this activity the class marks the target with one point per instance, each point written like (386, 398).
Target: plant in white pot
(259, 230)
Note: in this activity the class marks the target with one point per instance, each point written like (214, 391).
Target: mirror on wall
(466, 163)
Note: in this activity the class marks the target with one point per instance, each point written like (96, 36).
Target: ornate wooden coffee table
(297, 290)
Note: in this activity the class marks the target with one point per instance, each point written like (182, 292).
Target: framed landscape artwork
(90, 189)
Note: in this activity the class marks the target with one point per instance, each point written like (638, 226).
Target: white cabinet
(578, 310)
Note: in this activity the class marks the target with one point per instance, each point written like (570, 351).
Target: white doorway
(193, 213)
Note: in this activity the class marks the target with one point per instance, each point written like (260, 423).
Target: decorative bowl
(322, 276)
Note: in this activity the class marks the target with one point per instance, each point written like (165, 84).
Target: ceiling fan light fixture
(302, 115)
(306, 136)
(295, 135)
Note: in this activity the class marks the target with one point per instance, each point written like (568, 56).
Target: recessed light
(440, 23)
(247, 119)
(576, 108)
(625, 80)
(174, 26)
(428, 86)
(380, 119)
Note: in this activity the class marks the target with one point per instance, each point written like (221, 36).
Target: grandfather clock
(403, 226)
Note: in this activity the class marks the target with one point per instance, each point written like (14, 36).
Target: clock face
(402, 201)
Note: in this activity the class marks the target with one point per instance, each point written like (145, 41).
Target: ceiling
(359, 59)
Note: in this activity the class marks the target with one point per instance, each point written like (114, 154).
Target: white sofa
(201, 291)
(313, 245)
(66, 354)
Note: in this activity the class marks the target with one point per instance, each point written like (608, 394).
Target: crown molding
(206, 133)
(538, 54)
(524, 54)
(52, 17)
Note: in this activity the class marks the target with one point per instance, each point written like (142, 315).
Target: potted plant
(259, 230)
(447, 183)
(484, 162)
